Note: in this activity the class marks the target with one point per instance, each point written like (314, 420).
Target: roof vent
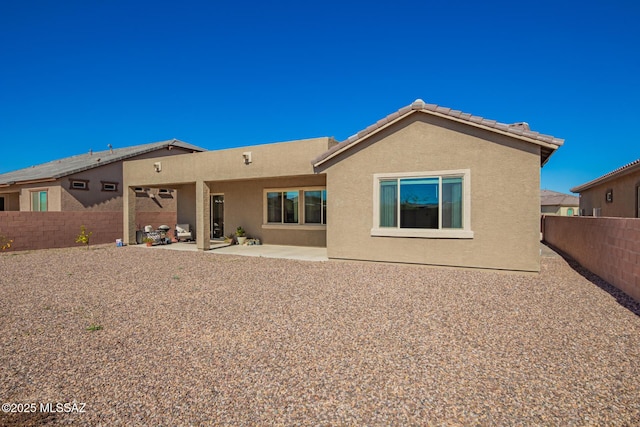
(520, 125)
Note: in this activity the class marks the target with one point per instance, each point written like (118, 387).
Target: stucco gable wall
(505, 209)
(624, 197)
(95, 199)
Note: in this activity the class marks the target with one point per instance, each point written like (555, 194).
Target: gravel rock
(155, 337)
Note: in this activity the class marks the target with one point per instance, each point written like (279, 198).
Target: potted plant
(148, 241)
(241, 235)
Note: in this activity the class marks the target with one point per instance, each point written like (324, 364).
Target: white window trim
(445, 233)
(301, 225)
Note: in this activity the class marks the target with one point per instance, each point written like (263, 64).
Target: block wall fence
(43, 230)
(608, 247)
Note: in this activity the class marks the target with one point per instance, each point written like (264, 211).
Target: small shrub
(5, 242)
(83, 237)
(93, 327)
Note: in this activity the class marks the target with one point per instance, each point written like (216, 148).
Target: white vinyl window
(422, 204)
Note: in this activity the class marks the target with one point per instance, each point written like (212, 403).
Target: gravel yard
(158, 337)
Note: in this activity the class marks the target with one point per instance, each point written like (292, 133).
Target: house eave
(35, 181)
(625, 170)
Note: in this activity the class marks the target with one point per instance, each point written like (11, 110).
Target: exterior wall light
(247, 157)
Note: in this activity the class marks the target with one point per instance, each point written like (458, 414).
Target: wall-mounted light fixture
(157, 166)
(247, 157)
(608, 197)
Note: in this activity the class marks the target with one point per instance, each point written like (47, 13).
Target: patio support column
(129, 216)
(203, 214)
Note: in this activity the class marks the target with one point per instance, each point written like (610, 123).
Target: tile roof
(628, 168)
(74, 164)
(518, 130)
(553, 198)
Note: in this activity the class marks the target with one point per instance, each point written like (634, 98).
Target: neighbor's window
(109, 186)
(78, 184)
(425, 204)
(296, 206)
(39, 201)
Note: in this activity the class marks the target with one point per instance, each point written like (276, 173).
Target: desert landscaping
(142, 336)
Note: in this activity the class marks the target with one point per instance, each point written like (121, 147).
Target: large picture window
(296, 206)
(424, 204)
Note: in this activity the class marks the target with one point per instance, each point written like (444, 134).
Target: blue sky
(78, 74)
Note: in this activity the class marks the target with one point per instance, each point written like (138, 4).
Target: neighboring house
(554, 203)
(615, 194)
(424, 185)
(86, 182)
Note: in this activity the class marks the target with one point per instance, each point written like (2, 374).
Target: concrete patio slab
(303, 253)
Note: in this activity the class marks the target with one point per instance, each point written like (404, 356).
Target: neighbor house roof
(519, 130)
(628, 168)
(74, 164)
(553, 198)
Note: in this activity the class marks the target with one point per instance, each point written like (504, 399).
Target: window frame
(39, 192)
(323, 203)
(109, 183)
(301, 224)
(83, 184)
(443, 233)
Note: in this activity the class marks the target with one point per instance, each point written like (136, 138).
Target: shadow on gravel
(28, 419)
(623, 299)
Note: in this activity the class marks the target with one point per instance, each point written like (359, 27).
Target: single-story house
(424, 185)
(86, 182)
(555, 203)
(615, 194)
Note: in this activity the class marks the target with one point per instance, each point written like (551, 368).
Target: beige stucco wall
(62, 198)
(505, 207)
(286, 164)
(269, 160)
(625, 200)
(244, 206)
(53, 190)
